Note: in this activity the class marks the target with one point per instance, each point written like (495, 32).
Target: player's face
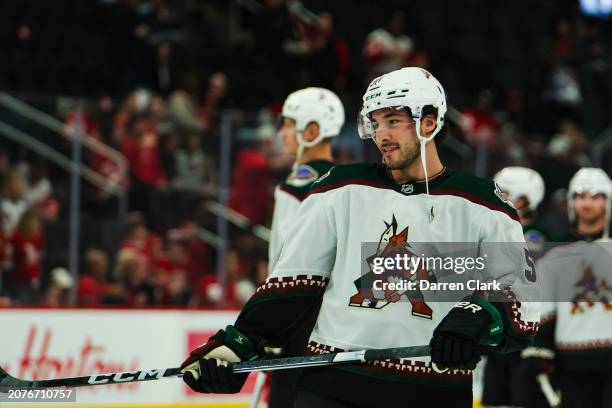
(288, 134)
(590, 207)
(396, 137)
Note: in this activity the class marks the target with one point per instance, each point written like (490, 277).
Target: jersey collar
(414, 187)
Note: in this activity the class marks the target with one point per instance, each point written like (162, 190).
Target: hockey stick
(552, 397)
(349, 357)
(260, 382)
(326, 360)
(237, 219)
(344, 357)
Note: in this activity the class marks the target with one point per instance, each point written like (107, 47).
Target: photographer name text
(406, 285)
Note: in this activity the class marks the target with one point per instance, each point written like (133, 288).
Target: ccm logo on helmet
(372, 96)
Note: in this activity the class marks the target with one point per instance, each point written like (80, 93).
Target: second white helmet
(520, 182)
(318, 105)
(589, 180)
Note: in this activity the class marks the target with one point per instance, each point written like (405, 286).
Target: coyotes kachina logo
(590, 292)
(390, 245)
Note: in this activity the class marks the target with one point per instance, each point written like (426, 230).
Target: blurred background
(171, 108)
(138, 148)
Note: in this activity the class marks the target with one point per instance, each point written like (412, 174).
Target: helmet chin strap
(423, 141)
(302, 145)
(298, 156)
(606, 232)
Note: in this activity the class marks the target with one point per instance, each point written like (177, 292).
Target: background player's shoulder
(300, 179)
(479, 191)
(348, 174)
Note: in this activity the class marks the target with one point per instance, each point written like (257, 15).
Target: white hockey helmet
(318, 105)
(520, 182)
(410, 87)
(589, 180)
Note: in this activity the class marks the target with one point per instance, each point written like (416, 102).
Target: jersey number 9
(530, 272)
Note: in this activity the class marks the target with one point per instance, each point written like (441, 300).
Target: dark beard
(402, 164)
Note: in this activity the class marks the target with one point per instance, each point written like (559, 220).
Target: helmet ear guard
(305, 143)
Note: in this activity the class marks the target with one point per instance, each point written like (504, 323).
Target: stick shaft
(258, 390)
(350, 357)
(331, 359)
(552, 397)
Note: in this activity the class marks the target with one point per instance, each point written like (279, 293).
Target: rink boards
(52, 343)
(45, 343)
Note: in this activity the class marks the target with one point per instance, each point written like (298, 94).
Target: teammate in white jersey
(409, 199)
(574, 344)
(525, 188)
(310, 118)
(588, 203)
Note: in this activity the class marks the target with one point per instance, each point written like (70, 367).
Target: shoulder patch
(302, 176)
(479, 191)
(300, 180)
(534, 236)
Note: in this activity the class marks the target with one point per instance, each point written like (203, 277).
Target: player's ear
(428, 124)
(311, 132)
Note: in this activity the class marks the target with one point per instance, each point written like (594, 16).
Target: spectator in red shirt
(94, 285)
(480, 124)
(172, 271)
(141, 151)
(111, 172)
(28, 246)
(139, 239)
(197, 250)
(253, 179)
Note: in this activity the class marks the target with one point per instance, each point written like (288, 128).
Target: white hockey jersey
(325, 253)
(577, 304)
(288, 196)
